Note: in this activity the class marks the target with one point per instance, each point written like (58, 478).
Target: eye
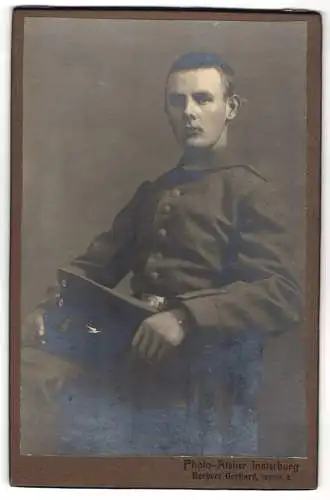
(203, 98)
(177, 100)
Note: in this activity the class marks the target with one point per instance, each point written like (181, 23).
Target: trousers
(202, 400)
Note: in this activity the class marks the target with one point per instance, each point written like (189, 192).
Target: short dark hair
(198, 60)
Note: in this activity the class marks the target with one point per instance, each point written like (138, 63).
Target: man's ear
(233, 105)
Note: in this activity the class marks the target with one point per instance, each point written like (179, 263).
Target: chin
(197, 143)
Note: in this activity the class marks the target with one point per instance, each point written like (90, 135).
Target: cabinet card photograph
(165, 241)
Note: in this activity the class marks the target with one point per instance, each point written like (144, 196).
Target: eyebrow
(203, 93)
(196, 93)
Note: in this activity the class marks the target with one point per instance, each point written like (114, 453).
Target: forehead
(195, 80)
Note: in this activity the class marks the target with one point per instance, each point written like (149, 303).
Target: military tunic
(207, 237)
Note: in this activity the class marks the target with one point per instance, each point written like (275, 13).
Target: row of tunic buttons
(162, 232)
(166, 209)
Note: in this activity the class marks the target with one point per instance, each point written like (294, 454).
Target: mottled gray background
(94, 128)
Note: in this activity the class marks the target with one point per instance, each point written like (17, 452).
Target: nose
(190, 108)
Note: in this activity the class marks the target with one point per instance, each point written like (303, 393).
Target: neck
(222, 142)
(195, 155)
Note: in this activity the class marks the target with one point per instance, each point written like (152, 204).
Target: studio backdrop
(94, 128)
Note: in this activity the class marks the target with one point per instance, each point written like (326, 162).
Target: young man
(208, 251)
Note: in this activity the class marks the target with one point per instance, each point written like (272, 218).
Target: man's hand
(34, 326)
(158, 334)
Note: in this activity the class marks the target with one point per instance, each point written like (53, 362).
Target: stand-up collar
(194, 159)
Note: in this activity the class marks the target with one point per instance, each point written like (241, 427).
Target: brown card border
(165, 472)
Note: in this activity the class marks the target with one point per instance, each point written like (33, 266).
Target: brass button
(162, 232)
(166, 209)
(176, 192)
(154, 275)
(155, 256)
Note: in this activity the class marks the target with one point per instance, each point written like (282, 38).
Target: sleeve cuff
(202, 310)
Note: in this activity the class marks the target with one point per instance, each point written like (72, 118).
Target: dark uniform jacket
(206, 234)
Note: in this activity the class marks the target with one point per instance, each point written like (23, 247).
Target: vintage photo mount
(171, 472)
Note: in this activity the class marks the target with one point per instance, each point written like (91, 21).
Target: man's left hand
(158, 334)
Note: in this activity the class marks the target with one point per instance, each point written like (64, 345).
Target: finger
(59, 384)
(40, 326)
(145, 343)
(154, 346)
(138, 337)
(163, 350)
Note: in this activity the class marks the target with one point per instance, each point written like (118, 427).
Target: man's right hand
(34, 326)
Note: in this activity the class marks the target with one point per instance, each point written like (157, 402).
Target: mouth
(191, 130)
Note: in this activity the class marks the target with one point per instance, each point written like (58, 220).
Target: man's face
(196, 107)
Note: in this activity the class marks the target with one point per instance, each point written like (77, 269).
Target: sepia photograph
(163, 227)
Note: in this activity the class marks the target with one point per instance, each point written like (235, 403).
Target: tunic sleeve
(109, 257)
(263, 294)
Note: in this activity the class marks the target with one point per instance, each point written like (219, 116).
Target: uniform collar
(193, 160)
(192, 167)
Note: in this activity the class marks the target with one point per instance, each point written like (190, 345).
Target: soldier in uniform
(206, 248)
